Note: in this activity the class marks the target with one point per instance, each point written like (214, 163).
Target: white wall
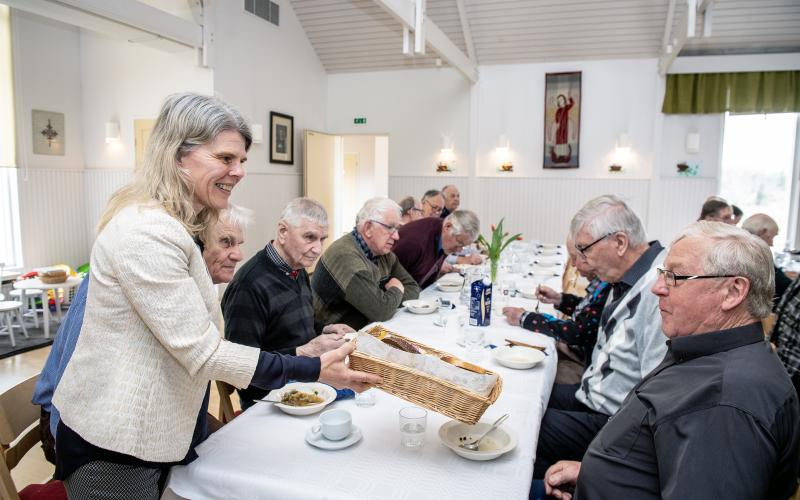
(47, 77)
(414, 107)
(258, 68)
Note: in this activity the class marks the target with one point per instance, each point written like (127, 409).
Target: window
(758, 156)
(10, 248)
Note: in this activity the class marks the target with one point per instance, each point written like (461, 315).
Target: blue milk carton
(480, 303)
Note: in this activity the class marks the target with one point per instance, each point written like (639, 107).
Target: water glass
(365, 399)
(413, 421)
(474, 341)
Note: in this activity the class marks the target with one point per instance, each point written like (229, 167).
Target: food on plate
(300, 398)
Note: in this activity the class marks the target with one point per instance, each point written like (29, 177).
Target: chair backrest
(226, 411)
(17, 415)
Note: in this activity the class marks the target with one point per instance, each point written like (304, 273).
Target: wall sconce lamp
(257, 131)
(446, 156)
(112, 132)
(693, 142)
(503, 155)
(623, 147)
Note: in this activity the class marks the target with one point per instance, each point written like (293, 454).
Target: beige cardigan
(150, 341)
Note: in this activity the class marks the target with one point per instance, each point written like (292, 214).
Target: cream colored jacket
(150, 341)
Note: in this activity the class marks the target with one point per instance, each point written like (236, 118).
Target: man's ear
(735, 292)
(283, 229)
(621, 240)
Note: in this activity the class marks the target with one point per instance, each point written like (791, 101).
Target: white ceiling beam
(405, 12)
(673, 47)
(128, 19)
(462, 15)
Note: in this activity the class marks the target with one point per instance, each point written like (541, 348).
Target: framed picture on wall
(142, 128)
(281, 138)
(562, 120)
(48, 132)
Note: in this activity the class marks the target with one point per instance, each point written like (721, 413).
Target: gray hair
(608, 214)
(406, 204)
(736, 252)
(465, 222)
(449, 186)
(234, 215)
(757, 223)
(431, 193)
(304, 208)
(374, 208)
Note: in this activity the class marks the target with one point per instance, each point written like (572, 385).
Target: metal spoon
(473, 446)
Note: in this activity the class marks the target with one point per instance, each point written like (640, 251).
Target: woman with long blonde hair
(150, 342)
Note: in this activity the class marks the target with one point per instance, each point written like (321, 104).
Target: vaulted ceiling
(360, 35)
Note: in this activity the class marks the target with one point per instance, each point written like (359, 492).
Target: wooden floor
(34, 468)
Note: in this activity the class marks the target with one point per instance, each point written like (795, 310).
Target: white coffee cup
(334, 425)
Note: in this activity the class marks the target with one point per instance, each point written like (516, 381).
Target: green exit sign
(360, 120)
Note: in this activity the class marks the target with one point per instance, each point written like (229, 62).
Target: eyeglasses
(583, 249)
(391, 229)
(671, 279)
(435, 208)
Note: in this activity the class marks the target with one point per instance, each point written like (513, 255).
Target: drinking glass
(413, 421)
(474, 341)
(365, 399)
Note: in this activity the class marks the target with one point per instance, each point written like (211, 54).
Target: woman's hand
(335, 372)
(513, 315)
(548, 295)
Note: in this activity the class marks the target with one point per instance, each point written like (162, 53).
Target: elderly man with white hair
(765, 227)
(611, 241)
(269, 302)
(426, 242)
(718, 418)
(359, 280)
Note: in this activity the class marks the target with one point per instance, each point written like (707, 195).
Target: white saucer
(327, 444)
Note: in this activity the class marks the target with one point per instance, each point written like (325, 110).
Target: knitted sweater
(348, 286)
(150, 341)
(419, 249)
(629, 345)
(265, 308)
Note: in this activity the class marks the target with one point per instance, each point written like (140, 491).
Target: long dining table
(263, 454)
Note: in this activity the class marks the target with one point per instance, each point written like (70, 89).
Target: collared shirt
(631, 276)
(363, 245)
(718, 418)
(275, 257)
(786, 334)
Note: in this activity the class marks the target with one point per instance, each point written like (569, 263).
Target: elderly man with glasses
(718, 417)
(611, 241)
(425, 243)
(358, 279)
(432, 203)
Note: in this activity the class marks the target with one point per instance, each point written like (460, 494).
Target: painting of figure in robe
(562, 112)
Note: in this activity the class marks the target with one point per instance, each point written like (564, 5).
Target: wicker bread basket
(422, 388)
(53, 277)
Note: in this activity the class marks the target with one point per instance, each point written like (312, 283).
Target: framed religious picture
(142, 128)
(48, 132)
(562, 120)
(281, 138)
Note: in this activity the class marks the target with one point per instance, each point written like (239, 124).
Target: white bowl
(500, 441)
(326, 392)
(528, 294)
(546, 263)
(518, 357)
(421, 306)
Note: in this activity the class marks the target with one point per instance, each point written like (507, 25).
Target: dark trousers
(567, 429)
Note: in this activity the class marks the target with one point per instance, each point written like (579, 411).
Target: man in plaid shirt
(786, 334)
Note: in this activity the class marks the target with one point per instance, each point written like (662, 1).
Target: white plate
(548, 246)
(500, 441)
(327, 444)
(324, 391)
(546, 263)
(528, 294)
(548, 252)
(421, 306)
(461, 320)
(449, 287)
(518, 357)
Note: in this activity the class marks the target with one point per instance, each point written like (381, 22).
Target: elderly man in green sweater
(358, 279)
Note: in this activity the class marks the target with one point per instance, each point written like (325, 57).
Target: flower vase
(493, 270)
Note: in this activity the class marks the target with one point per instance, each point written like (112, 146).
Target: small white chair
(8, 309)
(28, 298)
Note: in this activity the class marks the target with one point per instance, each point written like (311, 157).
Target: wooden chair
(226, 411)
(19, 424)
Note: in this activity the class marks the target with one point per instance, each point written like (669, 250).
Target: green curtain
(753, 92)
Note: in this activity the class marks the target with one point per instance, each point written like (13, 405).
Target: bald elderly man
(765, 227)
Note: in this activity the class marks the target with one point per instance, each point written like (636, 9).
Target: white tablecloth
(263, 454)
